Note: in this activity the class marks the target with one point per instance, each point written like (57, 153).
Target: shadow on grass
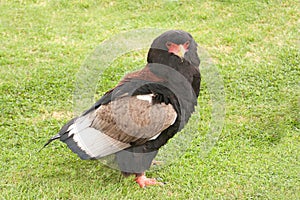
(81, 170)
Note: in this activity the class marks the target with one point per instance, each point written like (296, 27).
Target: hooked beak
(181, 51)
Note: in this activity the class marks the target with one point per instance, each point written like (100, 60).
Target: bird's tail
(62, 131)
(55, 137)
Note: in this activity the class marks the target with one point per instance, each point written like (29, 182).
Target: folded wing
(117, 125)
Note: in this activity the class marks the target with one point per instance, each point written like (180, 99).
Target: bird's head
(174, 47)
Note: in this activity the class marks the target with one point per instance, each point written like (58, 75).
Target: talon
(143, 181)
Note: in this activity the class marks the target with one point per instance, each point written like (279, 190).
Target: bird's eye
(169, 44)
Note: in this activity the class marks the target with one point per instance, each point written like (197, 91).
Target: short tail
(55, 137)
(63, 130)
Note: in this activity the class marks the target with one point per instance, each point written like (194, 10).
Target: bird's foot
(143, 181)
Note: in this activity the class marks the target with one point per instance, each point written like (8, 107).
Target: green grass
(254, 44)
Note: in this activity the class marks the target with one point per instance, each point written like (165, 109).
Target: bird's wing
(133, 118)
(127, 115)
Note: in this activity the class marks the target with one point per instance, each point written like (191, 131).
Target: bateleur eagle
(146, 109)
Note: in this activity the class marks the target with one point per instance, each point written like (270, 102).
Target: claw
(143, 181)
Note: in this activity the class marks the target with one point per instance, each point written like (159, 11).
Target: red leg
(143, 181)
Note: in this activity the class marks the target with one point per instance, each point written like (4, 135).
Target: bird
(133, 120)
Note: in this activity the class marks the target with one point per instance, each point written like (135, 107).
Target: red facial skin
(178, 50)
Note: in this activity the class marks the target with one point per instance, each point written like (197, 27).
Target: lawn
(254, 46)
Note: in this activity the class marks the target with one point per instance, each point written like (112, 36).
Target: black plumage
(161, 96)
